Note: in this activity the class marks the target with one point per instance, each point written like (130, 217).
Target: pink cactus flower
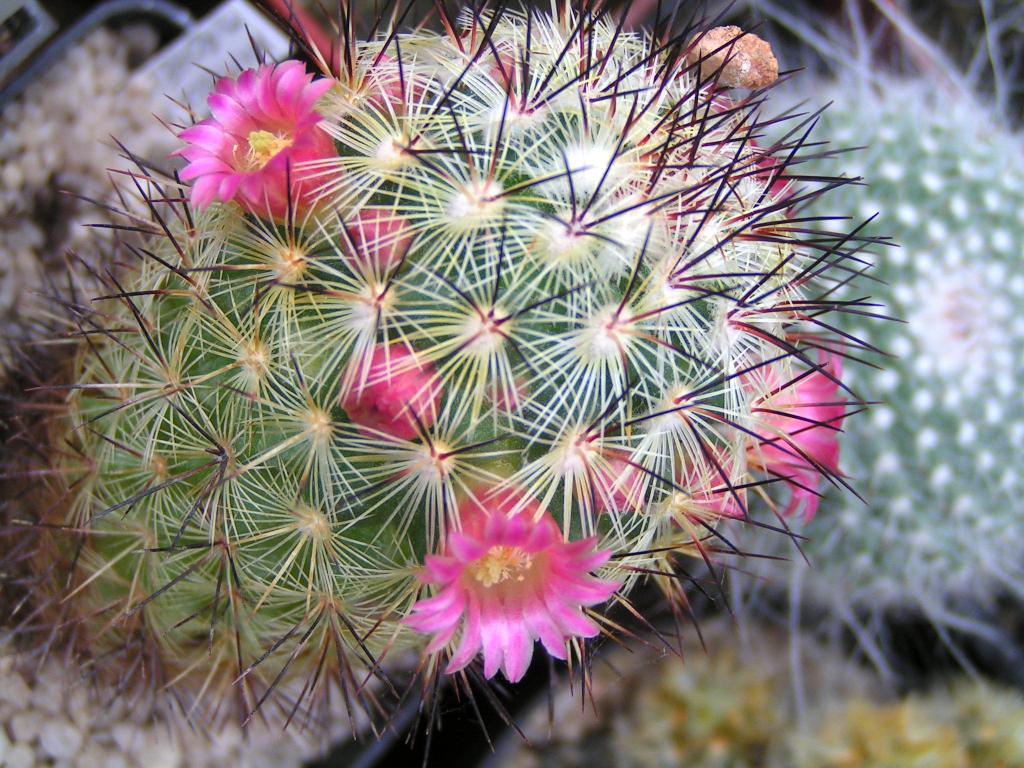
(263, 124)
(508, 579)
(379, 238)
(800, 438)
(397, 396)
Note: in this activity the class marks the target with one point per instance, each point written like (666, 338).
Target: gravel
(55, 719)
(55, 139)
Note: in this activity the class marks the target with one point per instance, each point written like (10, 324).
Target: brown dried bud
(746, 63)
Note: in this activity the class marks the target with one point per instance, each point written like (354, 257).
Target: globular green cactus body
(539, 272)
(935, 461)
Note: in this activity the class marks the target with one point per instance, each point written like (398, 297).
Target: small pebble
(60, 739)
(21, 756)
(57, 137)
(25, 726)
(746, 63)
(15, 691)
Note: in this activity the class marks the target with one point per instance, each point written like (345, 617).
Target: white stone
(126, 736)
(15, 691)
(60, 739)
(92, 756)
(25, 726)
(78, 706)
(48, 695)
(156, 751)
(21, 756)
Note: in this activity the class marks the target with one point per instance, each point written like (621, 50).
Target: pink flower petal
(517, 581)
(800, 438)
(518, 654)
(276, 100)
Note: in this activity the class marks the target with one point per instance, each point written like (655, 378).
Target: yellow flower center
(264, 146)
(501, 564)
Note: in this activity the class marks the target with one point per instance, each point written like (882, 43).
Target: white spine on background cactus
(448, 351)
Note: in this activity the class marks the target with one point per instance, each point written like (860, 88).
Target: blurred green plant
(734, 709)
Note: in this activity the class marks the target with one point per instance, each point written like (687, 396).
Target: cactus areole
(443, 348)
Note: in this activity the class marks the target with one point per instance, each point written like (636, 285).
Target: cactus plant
(708, 711)
(966, 724)
(447, 347)
(939, 530)
(734, 708)
(943, 500)
(726, 707)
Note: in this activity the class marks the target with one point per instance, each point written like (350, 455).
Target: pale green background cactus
(936, 462)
